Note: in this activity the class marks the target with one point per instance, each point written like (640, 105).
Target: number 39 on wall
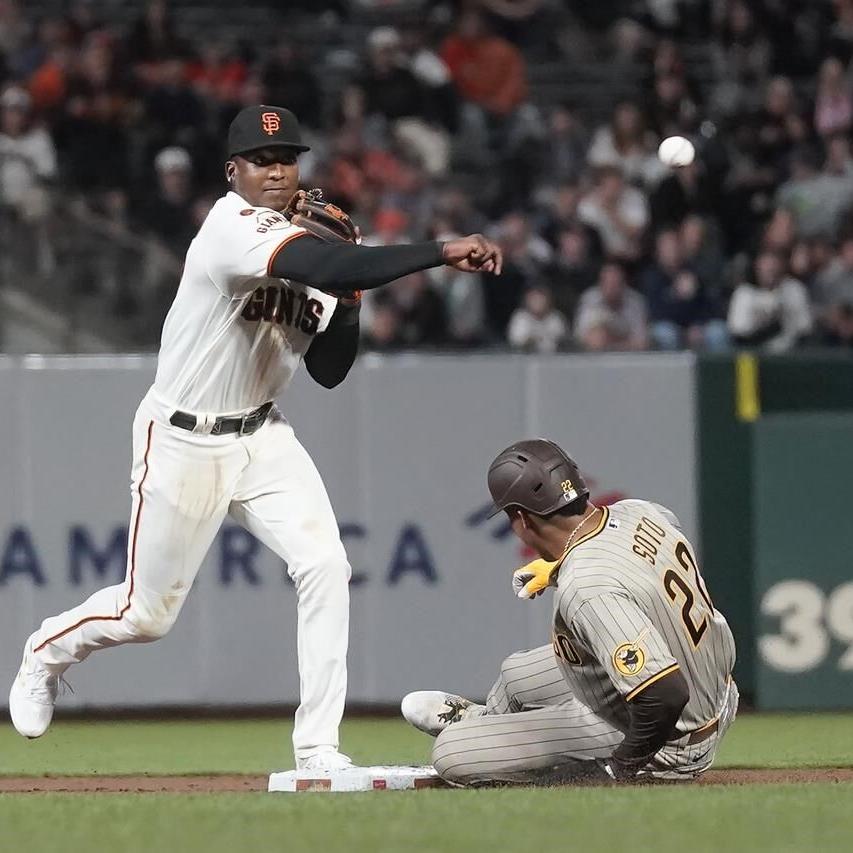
(808, 620)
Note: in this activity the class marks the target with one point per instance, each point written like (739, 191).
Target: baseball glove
(328, 222)
(321, 218)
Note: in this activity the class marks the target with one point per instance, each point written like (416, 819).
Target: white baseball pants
(183, 484)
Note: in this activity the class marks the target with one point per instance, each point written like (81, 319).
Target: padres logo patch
(629, 659)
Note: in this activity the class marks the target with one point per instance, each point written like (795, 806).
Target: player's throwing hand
(473, 253)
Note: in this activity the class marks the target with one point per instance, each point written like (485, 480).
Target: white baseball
(676, 151)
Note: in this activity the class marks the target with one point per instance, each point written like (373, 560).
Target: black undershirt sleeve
(342, 267)
(332, 353)
(654, 713)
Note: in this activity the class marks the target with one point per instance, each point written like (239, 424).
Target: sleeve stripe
(656, 677)
(279, 247)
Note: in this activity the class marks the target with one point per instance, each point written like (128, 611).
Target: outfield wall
(403, 447)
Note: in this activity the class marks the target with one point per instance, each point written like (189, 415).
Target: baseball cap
(263, 126)
(536, 475)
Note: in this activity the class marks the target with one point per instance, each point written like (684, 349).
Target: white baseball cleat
(33, 695)
(325, 760)
(432, 711)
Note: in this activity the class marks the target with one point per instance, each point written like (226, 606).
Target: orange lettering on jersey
(270, 122)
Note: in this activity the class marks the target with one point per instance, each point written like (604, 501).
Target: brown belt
(698, 735)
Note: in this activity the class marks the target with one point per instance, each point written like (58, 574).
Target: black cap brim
(299, 149)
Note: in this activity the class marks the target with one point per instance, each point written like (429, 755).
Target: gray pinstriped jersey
(630, 607)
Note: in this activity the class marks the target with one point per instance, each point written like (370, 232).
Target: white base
(376, 778)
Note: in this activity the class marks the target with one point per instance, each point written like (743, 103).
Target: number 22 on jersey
(683, 586)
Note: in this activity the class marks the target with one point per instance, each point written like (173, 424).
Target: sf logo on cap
(270, 122)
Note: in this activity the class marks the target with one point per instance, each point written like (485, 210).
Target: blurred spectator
(462, 293)
(563, 157)
(839, 161)
(440, 101)
(833, 297)
(487, 70)
(611, 315)
(381, 332)
(780, 233)
(91, 130)
(817, 200)
(390, 89)
(683, 191)
(747, 187)
(573, 269)
(83, 18)
(174, 112)
(217, 73)
(618, 213)
(169, 214)
(421, 312)
(537, 326)
(526, 255)
(14, 27)
(560, 211)
(700, 245)
(833, 111)
(671, 110)
(741, 55)
(290, 81)
(840, 37)
(154, 36)
(779, 126)
(771, 311)
(626, 144)
(53, 58)
(27, 158)
(682, 311)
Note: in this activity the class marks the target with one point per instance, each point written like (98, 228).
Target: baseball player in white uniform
(257, 296)
(637, 679)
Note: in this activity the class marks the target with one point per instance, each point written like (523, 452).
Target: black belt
(245, 425)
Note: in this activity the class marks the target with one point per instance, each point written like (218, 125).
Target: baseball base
(376, 778)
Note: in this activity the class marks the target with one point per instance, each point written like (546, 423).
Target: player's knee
(510, 663)
(153, 620)
(446, 757)
(327, 570)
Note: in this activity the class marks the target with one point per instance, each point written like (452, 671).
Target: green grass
(814, 817)
(779, 818)
(258, 746)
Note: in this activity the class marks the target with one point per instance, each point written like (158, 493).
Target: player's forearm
(340, 267)
(332, 353)
(654, 713)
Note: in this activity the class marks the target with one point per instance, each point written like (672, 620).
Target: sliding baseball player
(637, 678)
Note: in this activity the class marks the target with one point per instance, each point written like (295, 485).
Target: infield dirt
(240, 783)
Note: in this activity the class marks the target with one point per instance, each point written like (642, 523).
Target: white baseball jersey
(631, 606)
(235, 335)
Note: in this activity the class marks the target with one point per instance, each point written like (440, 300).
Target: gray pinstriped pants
(535, 732)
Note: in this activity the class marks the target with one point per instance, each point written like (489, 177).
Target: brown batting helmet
(536, 475)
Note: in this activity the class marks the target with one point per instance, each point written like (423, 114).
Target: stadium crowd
(433, 127)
